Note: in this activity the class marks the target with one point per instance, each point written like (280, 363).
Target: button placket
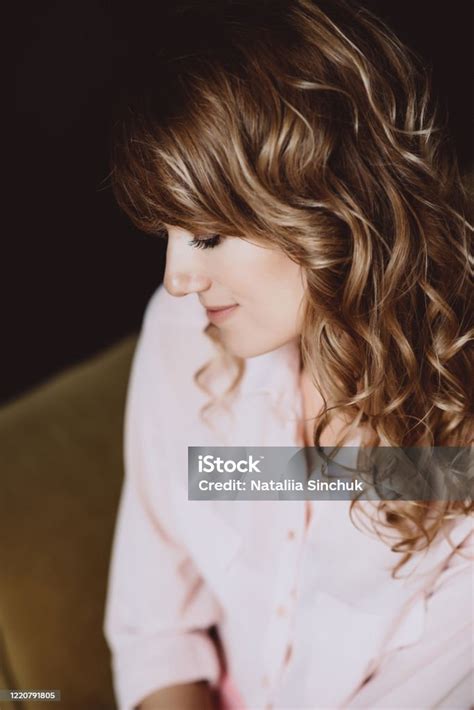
(305, 526)
(278, 639)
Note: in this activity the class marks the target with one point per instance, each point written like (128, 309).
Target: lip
(220, 314)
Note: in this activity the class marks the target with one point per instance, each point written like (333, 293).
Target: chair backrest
(61, 473)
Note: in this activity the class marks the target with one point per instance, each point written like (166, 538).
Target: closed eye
(208, 243)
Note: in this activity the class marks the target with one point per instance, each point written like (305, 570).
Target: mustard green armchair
(61, 472)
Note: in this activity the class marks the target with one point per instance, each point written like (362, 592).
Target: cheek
(267, 281)
(289, 286)
(277, 301)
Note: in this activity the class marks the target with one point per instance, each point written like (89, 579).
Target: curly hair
(311, 126)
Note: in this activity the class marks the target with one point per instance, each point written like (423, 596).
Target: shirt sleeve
(436, 671)
(158, 608)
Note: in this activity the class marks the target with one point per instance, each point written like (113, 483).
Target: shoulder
(164, 311)
(172, 347)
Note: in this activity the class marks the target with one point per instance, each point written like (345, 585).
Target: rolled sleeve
(158, 607)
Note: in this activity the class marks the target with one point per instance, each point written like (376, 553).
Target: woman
(290, 153)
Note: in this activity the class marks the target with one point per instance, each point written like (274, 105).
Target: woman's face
(267, 286)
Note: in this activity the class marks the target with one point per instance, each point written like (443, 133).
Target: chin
(244, 352)
(250, 350)
(240, 348)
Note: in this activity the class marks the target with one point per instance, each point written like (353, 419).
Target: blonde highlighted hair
(311, 126)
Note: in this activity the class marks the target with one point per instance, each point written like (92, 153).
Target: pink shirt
(304, 603)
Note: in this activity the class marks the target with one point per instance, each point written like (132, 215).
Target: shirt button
(289, 651)
(281, 610)
(291, 534)
(265, 681)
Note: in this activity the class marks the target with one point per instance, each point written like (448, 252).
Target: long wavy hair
(310, 126)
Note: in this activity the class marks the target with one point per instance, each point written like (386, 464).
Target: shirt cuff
(149, 664)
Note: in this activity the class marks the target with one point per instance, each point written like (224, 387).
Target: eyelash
(209, 243)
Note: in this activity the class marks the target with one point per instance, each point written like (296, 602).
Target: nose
(180, 284)
(183, 273)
